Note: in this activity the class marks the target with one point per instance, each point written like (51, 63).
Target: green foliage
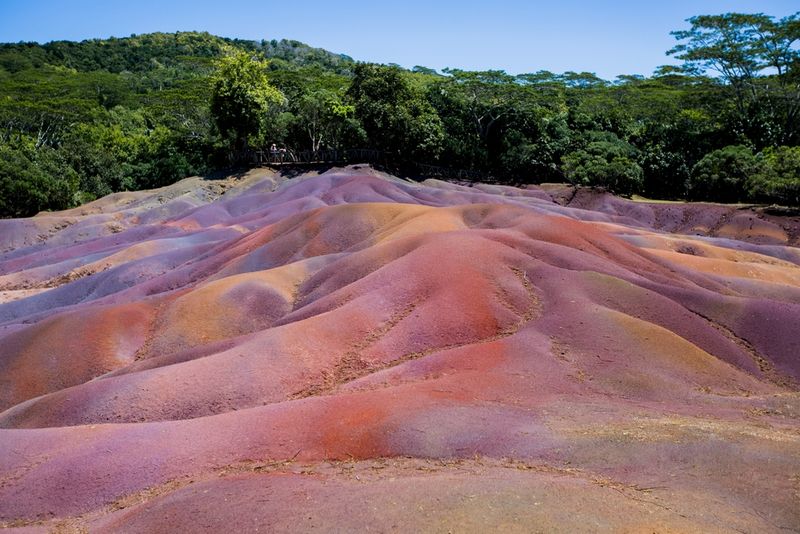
(532, 151)
(34, 180)
(138, 53)
(81, 120)
(396, 118)
(777, 176)
(665, 172)
(606, 161)
(721, 175)
(740, 48)
(241, 96)
(296, 54)
(670, 146)
(124, 113)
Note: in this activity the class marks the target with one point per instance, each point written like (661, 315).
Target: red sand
(351, 351)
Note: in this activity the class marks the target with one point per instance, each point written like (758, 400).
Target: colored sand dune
(349, 351)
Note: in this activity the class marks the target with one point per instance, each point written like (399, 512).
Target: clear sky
(606, 37)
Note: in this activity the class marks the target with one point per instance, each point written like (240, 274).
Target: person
(273, 152)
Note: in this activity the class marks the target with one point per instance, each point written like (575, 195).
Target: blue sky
(609, 38)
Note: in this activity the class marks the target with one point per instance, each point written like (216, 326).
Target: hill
(349, 350)
(82, 120)
(157, 51)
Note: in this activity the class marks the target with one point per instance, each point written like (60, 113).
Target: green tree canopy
(758, 57)
(396, 117)
(146, 110)
(241, 95)
(777, 176)
(605, 161)
(721, 175)
(34, 180)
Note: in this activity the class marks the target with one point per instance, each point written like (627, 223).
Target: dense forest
(81, 120)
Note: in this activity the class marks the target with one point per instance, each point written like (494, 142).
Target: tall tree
(489, 96)
(727, 44)
(740, 48)
(241, 95)
(396, 117)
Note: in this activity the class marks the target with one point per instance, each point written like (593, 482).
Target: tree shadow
(230, 172)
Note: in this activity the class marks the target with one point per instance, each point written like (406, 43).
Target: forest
(80, 120)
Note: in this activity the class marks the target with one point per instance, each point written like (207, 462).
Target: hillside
(156, 51)
(81, 120)
(351, 350)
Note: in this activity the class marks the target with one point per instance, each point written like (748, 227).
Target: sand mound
(348, 349)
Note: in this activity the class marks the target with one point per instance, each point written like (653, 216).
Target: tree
(534, 145)
(396, 118)
(739, 47)
(324, 118)
(670, 146)
(721, 175)
(489, 96)
(727, 44)
(136, 112)
(605, 161)
(777, 176)
(241, 95)
(34, 180)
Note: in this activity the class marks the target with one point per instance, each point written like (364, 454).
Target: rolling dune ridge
(348, 350)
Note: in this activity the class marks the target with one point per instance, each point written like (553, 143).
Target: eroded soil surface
(350, 351)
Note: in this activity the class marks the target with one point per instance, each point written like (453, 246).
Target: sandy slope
(351, 351)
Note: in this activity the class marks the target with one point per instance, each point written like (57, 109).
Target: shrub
(606, 161)
(777, 176)
(34, 180)
(721, 175)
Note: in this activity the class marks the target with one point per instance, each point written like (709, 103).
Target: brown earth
(351, 351)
